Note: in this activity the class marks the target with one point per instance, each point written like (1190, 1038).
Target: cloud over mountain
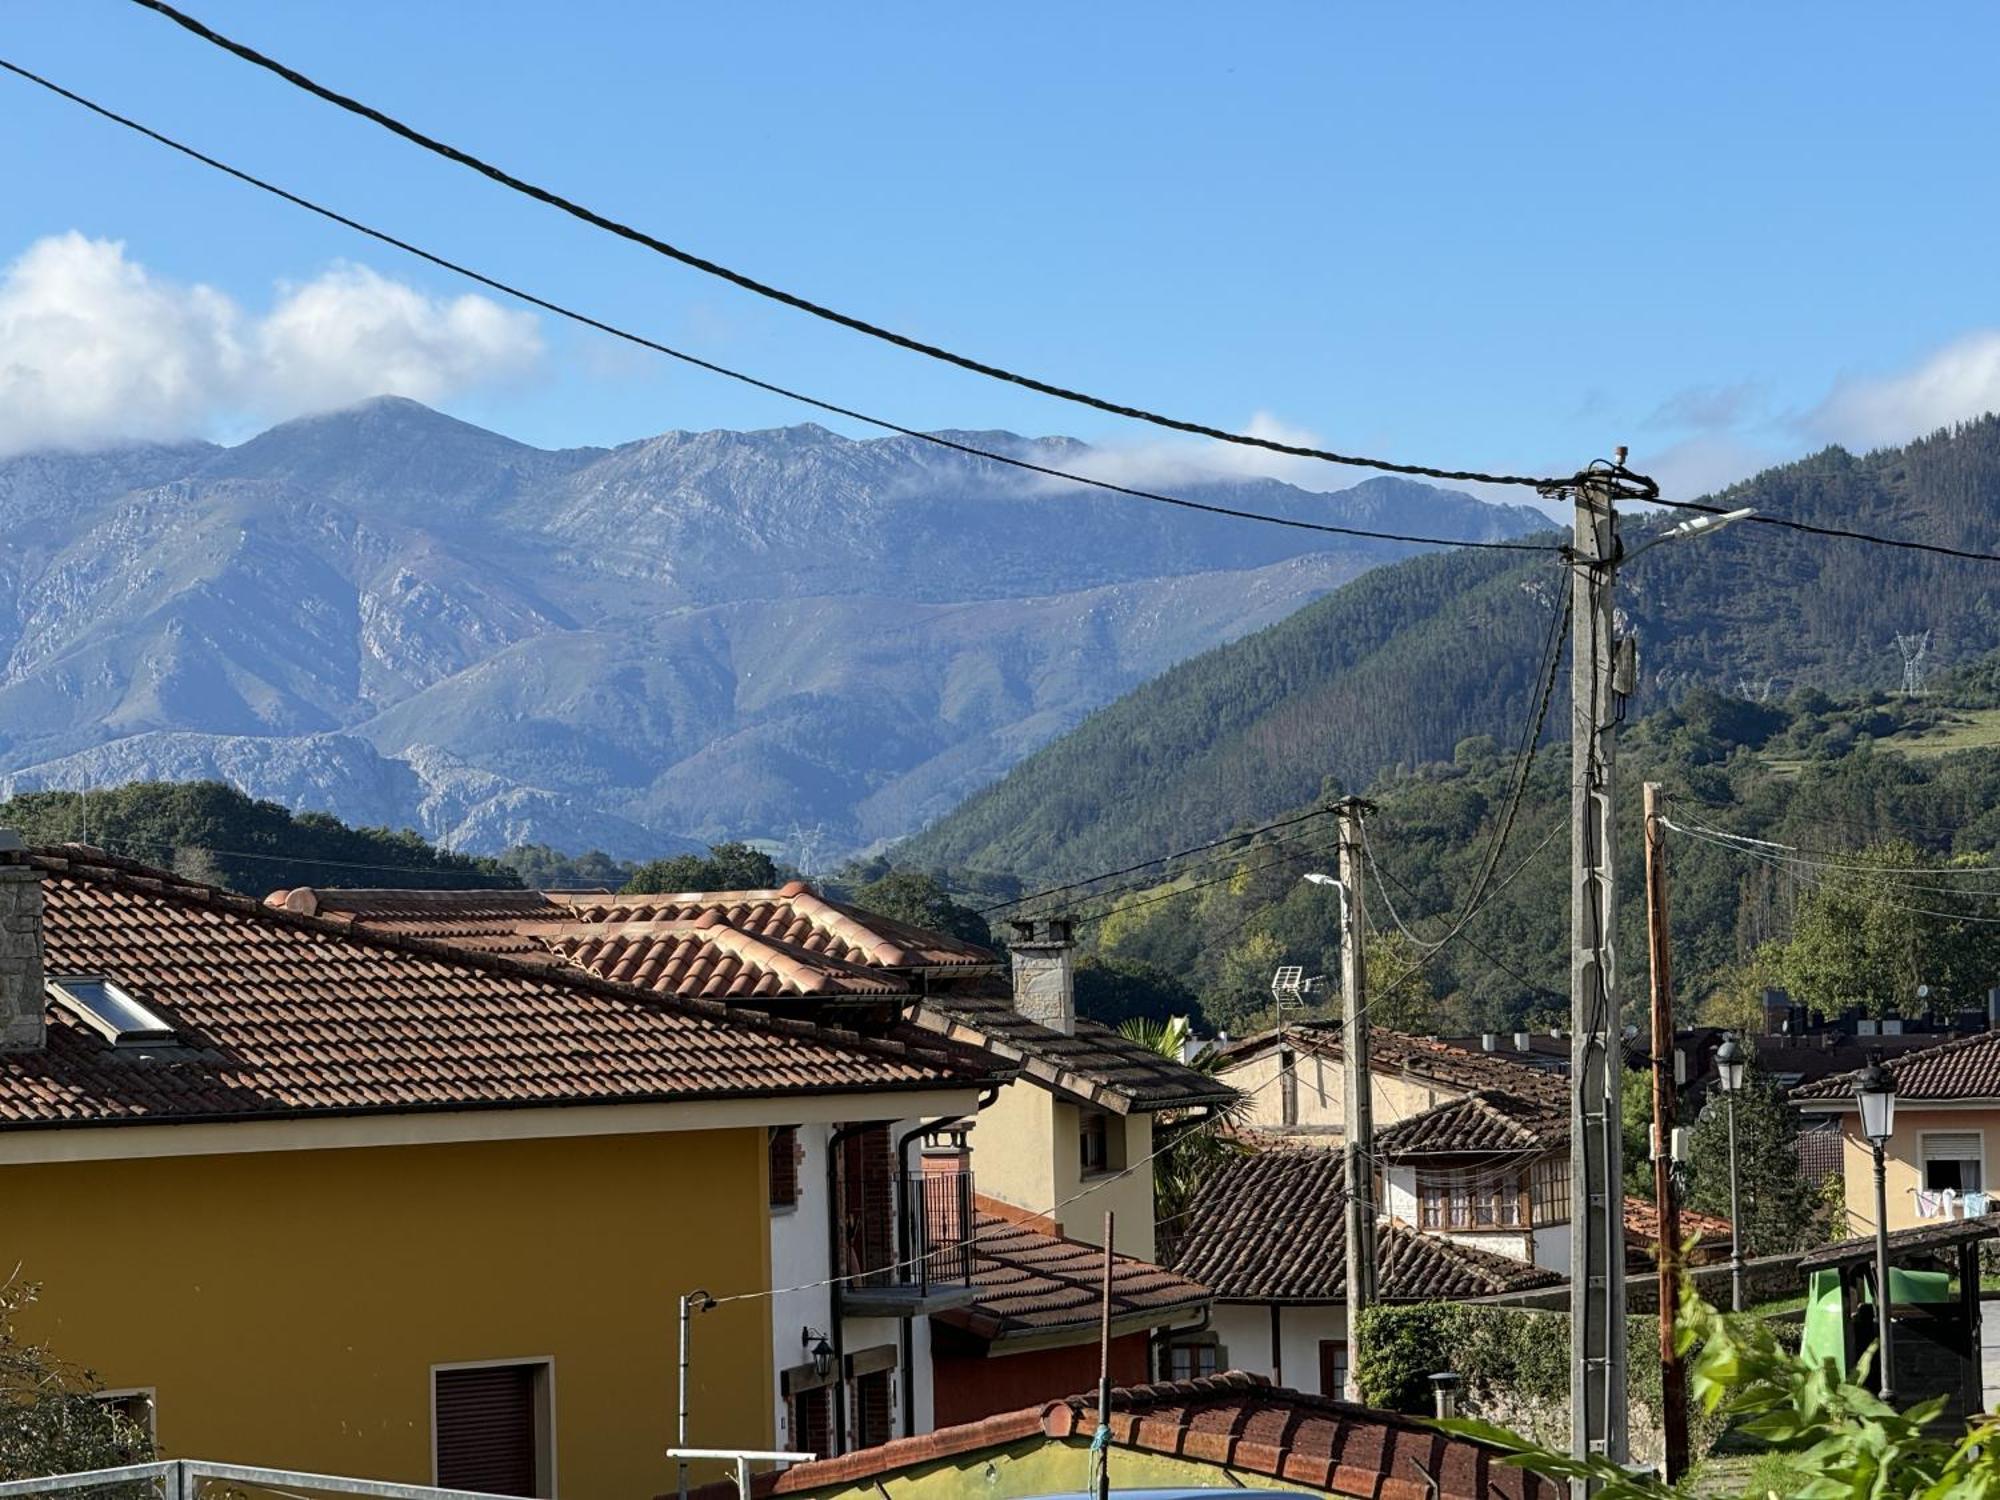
(95, 349)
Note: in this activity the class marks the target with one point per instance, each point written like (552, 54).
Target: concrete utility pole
(1356, 1083)
(1597, 1218)
(1673, 1377)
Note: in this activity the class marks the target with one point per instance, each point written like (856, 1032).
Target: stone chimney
(1045, 972)
(23, 1027)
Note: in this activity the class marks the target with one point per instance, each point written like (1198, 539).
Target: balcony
(939, 1222)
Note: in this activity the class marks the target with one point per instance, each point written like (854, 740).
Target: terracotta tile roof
(788, 943)
(1270, 1226)
(1968, 1068)
(1642, 1224)
(1234, 1421)
(1421, 1057)
(282, 1014)
(794, 916)
(1481, 1123)
(1095, 1065)
(1033, 1281)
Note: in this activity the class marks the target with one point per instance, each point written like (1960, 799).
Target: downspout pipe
(906, 1248)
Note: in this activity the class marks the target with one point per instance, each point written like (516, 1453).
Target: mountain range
(1395, 669)
(792, 636)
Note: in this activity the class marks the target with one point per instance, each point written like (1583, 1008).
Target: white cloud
(1173, 461)
(1958, 382)
(94, 349)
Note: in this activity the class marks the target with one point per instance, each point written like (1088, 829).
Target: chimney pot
(1489, 1041)
(1444, 1390)
(1045, 972)
(23, 1002)
(1522, 1041)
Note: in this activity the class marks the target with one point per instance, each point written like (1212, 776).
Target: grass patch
(1962, 729)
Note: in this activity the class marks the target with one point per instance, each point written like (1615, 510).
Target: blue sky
(1494, 236)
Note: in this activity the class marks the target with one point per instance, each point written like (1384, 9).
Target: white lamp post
(1875, 1090)
(1730, 1065)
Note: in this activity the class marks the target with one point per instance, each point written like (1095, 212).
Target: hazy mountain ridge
(398, 618)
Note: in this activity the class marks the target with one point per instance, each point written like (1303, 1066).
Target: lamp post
(1875, 1090)
(1729, 1068)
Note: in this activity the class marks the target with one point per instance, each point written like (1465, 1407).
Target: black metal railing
(942, 1221)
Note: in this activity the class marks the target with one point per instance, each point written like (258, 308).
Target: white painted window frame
(1985, 1182)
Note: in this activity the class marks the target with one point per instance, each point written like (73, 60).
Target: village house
(394, 1208)
(1269, 1238)
(889, 1317)
(1947, 1119)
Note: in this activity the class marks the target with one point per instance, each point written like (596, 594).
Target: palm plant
(1196, 1144)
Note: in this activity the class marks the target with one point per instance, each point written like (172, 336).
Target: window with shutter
(1952, 1160)
(784, 1166)
(873, 1422)
(491, 1429)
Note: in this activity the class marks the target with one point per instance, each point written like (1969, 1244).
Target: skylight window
(105, 1008)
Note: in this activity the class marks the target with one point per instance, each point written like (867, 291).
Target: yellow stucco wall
(1321, 1092)
(1045, 1466)
(1903, 1161)
(288, 1306)
(1025, 1152)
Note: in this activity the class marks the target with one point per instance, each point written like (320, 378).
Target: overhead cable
(748, 283)
(640, 340)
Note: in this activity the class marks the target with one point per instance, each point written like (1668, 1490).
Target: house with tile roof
(1065, 1140)
(1227, 1432)
(360, 1201)
(1268, 1237)
(1947, 1131)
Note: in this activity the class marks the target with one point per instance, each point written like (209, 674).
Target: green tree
(1116, 990)
(1778, 1210)
(922, 901)
(1874, 929)
(1192, 1148)
(49, 1423)
(726, 867)
(545, 869)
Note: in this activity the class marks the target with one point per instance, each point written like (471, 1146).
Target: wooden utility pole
(1673, 1378)
(1597, 1217)
(1356, 1082)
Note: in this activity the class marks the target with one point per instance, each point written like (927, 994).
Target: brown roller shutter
(486, 1429)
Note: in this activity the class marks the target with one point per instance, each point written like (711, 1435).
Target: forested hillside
(1878, 776)
(1399, 666)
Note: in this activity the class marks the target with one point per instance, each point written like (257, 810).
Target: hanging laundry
(1927, 1204)
(1948, 1203)
(1975, 1205)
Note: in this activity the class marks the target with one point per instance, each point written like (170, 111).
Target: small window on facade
(1189, 1361)
(784, 1166)
(492, 1430)
(1951, 1160)
(1550, 1190)
(1466, 1200)
(874, 1423)
(108, 1010)
(1333, 1368)
(812, 1421)
(1095, 1142)
(135, 1407)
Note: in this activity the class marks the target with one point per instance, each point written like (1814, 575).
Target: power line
(1144, 864)
(1814, 529)
(641, 341)
(748, 283)
(1186, 890)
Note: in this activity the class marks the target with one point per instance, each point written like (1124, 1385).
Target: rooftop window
(108, 1010)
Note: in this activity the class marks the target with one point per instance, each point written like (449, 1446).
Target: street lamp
(1729, 1067)
(1875, 1090)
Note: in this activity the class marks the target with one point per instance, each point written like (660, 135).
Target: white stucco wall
(1552, 1248)
(1244, 1330)
(800, 1255)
